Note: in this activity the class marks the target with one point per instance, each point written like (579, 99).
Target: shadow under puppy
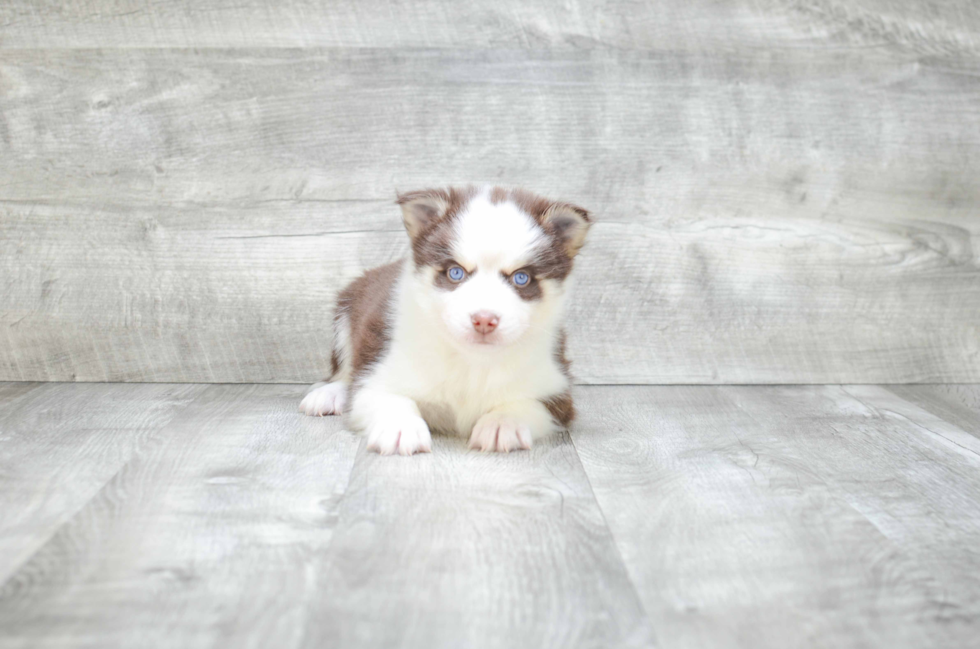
(464, 337)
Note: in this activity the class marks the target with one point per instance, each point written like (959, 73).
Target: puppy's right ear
(422, 208)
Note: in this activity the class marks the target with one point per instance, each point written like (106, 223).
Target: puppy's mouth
(484, 340)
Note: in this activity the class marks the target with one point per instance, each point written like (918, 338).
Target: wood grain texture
(753, 516)
(60, 444)
(234, 525)
(457, 548)
(206, 537)
(927, 25)
(808, 216)
(802, 516)
(203, 294)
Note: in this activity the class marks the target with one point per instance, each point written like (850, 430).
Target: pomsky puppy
(465, 336)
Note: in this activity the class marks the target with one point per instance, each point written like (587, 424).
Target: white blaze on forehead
(499, 236)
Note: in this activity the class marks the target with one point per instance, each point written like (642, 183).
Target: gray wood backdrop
(785, 191)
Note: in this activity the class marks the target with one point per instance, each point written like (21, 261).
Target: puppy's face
(493, 263)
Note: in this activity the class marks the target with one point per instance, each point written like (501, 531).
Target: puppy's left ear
(420, 209)
(569, 223)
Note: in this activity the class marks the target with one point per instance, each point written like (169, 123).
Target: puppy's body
(464, 337)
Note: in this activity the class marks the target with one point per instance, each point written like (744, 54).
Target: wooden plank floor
(675, 516)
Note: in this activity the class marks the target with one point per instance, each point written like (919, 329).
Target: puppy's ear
(422, 208)
(568, 223)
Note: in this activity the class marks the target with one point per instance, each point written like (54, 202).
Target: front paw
(500, 432)
(405, 436)
(327, 399)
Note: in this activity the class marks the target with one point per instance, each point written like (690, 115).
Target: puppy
(464, 337)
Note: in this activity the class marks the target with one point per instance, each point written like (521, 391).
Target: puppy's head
(492, 262)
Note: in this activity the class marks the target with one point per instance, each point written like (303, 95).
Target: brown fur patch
(567, 224)
(551, 262)
(531, 290)
(534, 205)
(555, 260)
(335, 360)
(563, 362)
(432, 240)
(431, 245)
(498, 195)
(560, 406)
(442, 280)
(366, 304)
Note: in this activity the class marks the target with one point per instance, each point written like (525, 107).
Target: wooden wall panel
(208, 294)
(929, 25)
(765, 213)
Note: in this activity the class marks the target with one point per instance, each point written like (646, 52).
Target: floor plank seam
(615, 544)
(74, 514)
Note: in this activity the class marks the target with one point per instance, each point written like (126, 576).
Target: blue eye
(521, 278)
(456, 274)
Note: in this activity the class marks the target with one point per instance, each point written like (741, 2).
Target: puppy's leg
(325, 399)
(391, 423)
(512, 426)
(330, 397)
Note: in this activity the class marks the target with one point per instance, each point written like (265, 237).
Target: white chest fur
(454, 386)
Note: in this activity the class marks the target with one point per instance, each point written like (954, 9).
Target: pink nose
(484, 321)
